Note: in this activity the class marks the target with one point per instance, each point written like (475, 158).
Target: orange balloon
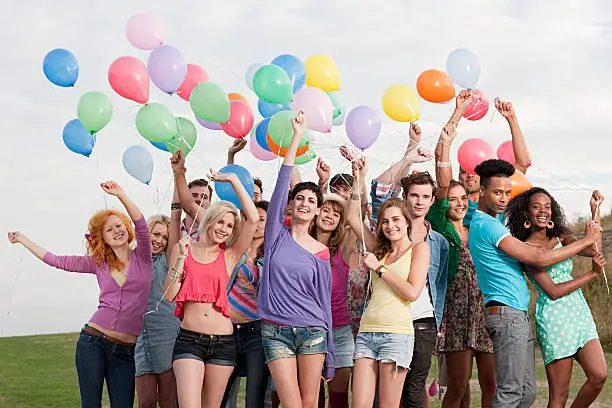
(435, 86)
(235, 96)
(519, 183)
(282, 151)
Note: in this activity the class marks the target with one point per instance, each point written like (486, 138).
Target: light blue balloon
(463, 68)
(250, 74)
(225, 191)
(338, 120)
(138, 162)
(268, 110)
(61, 67)
(160, 146)
(294, 67)
(77, 138)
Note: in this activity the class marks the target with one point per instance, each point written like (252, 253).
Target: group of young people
(311, 289)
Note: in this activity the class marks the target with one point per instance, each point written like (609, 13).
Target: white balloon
(250, 74)
(138, 162)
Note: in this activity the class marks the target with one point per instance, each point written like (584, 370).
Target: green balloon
(210, 103)
(156, 123)
(281, 131)
(272, 84)
(335, 99)
(305, 158)
(94, 111)
(186, 139)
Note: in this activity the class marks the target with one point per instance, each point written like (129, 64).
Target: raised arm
(237, 146)
(299, 127)
(174, 278)
(595, 203)
(521, 154)
(112, 188)
(324, 173)
(188, 203)
(174, 234)
(394, 174)
(360, 167)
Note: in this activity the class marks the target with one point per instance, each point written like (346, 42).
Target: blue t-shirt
(499, 276)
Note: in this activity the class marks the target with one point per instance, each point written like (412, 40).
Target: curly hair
(100, 250)
(421, 178)
(493, 168)
(383, 244)
(517, 213)
(337, 236)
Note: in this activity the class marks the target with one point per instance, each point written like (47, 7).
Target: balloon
(194, 77)
(294, 67)
(129, 77)
(235, 96)
(338, 120)
(281, 131)
(282, 151)
(463, 68)
(478, 107)
(261, 133)
(145, 31)
(272, 84)
(435, 86)
(335, 100)
(250, 73)
(317, 107)
(362, 126)
(209, 125)
(401, 103)
(519, 183)
(305, 157)
(138, 162)
(167, 68)
(186, 138)
(472, 152)
(77, 138)
(505, 151)
(210, 103)
(225, 191)
(259, 152)
(94, 111)
(270, 109)
(156, 123)
(160, 146)
(240, 121)
(61, 67)
(322, 72)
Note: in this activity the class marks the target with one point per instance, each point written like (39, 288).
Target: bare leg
(364, 382)
(215, 382)
(146, 390)
(189, 380)
(310, 367)
(338, 388)
(591, 358)
(486, 378)
(390, 385)
(459, 371)
(559, 374)
(166, 383)
(285, 376)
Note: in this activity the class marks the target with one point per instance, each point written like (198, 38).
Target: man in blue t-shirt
(497, 257)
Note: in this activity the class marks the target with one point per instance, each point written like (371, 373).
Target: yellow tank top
(387, 312)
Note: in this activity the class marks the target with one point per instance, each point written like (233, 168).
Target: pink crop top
(203, 283)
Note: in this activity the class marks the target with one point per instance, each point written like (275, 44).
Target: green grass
(38, 371)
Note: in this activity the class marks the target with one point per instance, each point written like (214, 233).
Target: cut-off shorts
(385, 347)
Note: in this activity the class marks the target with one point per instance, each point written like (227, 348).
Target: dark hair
(383, 245)
(518, 210)
(258, 183)
(342, 179)
(420, 179)
(264, 206)
(493, 168)
(199, 183)
(337, 235)
(455, 183)
(310, 186)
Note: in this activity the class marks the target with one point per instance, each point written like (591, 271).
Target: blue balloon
(225, 191)
(61, 67)
(294, 67)
(160, 146)
(138, 162)
(463, 68)
(261, 131)
(77, 138)
(268, 110)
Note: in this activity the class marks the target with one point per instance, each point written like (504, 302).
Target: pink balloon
(259, 152)
(317, 106)
(195, 76)
(505, 151)
(129, 77)
(478, 107)
(145, 31)
(472, 152)
(240, 121)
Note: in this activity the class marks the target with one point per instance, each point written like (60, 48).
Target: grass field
(38, 371)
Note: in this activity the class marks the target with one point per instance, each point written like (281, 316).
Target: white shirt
(422, 307)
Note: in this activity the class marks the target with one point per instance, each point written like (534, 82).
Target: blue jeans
(97, 360)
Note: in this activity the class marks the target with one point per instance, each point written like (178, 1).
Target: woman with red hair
(105, 349)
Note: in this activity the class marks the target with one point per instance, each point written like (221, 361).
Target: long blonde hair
(214, 213)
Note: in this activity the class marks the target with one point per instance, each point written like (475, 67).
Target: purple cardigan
(121, 308)
(295, 285)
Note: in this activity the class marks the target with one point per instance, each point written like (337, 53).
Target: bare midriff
(128, 338)
(205, 318)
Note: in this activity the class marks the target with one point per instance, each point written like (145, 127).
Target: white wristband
(443, 164)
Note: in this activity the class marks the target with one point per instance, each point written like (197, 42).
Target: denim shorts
(344, 346)
(385, 347)
(290, 342)
(207, 348)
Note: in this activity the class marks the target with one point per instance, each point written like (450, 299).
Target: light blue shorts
(385, 347)
(344, 346)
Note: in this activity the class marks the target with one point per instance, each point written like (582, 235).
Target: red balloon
(129, 77)
(240, 121)
(478, 107)
(472, 152)
(195, 76)
(505, 151)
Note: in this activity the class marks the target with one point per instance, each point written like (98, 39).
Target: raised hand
(415, 135)
(237, 146)
(505, 108)
(299, 124)
(360, 167)
(349, 153)
(14, 237)
(449, 131)
(599, 261)
(419, 155)
(592, 231)
(112, 188)
(596, 199)
(177, 161)
(184, 245)
(323, 171)
(462, 101)
(221, 177)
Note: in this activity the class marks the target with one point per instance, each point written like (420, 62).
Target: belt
(254, 325)
(95, 332)
(424, 323)
(495, 310)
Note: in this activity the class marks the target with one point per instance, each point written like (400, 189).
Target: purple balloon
(362, 126)
(209, 125)
(167, 68)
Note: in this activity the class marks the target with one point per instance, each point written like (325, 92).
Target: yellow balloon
(322, 72)
(401, 103)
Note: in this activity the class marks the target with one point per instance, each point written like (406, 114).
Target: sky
(553, 63)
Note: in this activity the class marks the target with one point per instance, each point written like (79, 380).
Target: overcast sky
(553, 63)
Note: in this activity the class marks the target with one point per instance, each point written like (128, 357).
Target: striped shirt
(243, 295)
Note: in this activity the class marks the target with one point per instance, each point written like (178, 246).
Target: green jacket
(437, 217)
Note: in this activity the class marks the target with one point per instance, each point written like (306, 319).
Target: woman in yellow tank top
(398, 269)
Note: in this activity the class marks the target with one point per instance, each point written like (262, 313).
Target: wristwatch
(380, 270)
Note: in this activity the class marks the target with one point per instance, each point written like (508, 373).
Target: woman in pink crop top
(105, 349)
(205, 351)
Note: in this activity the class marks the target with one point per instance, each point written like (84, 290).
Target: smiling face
(458, 203)
(540, 210)
(329, 218)
(304, 206)
(261, 224)
(159, 238)
(115, 233)
(471, 182)
(393, 224)
(221, 231)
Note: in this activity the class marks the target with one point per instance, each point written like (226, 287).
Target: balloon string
(100, 179)
(603, 270)
(10, 301)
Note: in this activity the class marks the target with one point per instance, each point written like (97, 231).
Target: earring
(550, 225)
(527, 224)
